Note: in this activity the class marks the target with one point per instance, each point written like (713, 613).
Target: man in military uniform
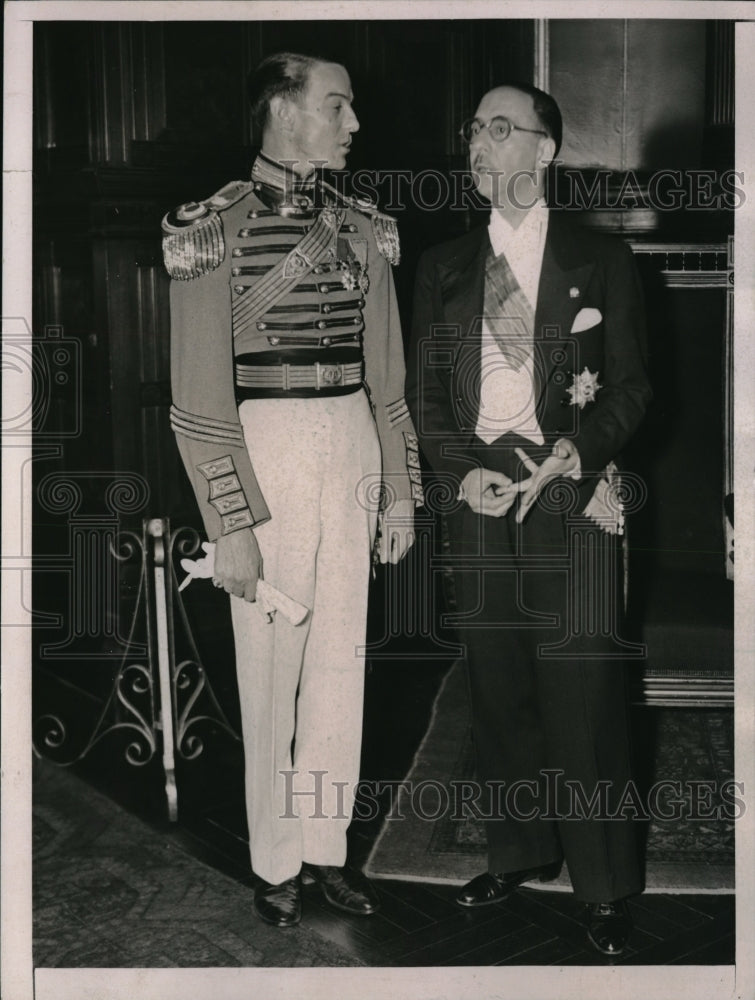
(287, 376)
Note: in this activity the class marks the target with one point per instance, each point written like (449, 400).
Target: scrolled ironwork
(142, 747)
(128, 544)
(136, 753)
(190, 679)
(185, 541)
(132, 707)
(140, 679)
(132, 684)
(191, 745)
(54, 737)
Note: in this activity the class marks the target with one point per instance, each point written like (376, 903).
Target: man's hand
(397, 531)
(238, 563)
(489, 492)
(563, 461)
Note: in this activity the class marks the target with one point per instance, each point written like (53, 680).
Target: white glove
(199, 568)
(268, 600)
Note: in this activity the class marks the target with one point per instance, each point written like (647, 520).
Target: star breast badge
(584, 388)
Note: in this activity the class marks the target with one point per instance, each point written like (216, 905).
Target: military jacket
(236, 292)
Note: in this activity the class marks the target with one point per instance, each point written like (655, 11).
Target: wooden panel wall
(635, 90)
(134, 118)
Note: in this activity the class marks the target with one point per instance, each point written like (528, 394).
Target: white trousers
(301, 687)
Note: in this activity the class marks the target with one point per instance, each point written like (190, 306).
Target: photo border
(19, 979)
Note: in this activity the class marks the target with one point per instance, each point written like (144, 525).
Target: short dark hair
(283, 74)
(545, 108)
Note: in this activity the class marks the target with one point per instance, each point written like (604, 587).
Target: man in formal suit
(283, 312)
(526, 378)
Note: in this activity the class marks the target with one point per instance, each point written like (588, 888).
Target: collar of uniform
(277, 175)
(528, 236)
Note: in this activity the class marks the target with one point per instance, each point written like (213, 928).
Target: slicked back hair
(284, 74)
(545, 108)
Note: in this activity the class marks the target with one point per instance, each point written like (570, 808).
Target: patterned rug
(111, 891)
(683, 853)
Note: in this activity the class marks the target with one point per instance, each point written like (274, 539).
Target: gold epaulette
(193, 242)
(384, 227)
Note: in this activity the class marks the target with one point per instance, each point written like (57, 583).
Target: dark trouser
(540, 605)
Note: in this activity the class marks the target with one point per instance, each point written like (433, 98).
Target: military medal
(384, 227)
(352, 263)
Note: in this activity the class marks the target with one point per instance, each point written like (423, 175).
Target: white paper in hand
(268, 598)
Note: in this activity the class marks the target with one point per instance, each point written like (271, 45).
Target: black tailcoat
(538, 604)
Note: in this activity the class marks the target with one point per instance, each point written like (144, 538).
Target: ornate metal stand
(155, 698)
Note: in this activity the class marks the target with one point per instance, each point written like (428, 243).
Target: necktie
(508, 312)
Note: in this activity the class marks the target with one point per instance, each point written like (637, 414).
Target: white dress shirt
(507, 397)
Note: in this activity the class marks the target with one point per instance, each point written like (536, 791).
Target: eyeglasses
(500, 128)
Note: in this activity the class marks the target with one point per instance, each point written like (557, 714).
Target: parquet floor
(419, 925)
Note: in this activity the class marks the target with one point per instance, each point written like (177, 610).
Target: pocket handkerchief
(586, 318)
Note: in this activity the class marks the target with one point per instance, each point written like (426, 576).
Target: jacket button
(236, 252)
(323, 288)
(317, 269)
(326, 341)
(274, 341)
(326, 308)
(238, 289)
(262, 326)
(321, 324)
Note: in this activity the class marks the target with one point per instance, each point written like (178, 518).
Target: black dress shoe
(344, 888)
(489, 888)
(609, 926)
(279, 905)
